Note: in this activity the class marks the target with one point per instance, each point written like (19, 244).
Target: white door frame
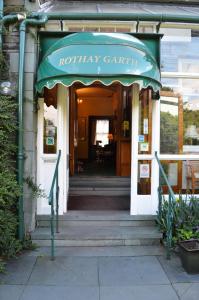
(139, 204)
(144, 204)
(46, 162)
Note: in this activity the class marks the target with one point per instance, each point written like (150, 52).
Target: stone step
(99, 182)
(98, 236)
(98, 218)
(99, 202)
(64, 223)
(99, 191)
(108, 251)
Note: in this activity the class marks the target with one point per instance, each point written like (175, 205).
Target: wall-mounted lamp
(79, 101)
(155, 95)
(7, 88)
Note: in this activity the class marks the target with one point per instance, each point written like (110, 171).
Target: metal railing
(169, 217)
(54, 195)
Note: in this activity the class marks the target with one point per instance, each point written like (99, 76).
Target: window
(179, 123)
(179, 50)
(102, 131)
(90, 26)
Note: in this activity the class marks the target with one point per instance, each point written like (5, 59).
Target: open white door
(46, 161)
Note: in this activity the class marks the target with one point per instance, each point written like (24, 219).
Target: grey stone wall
(30, 128)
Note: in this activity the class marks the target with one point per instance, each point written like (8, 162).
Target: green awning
(98, 57)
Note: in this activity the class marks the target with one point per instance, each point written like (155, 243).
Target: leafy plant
(9, 189)
(2, 266)
(37, 191)
(185, 218)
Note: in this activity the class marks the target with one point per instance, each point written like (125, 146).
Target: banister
(169, 214)
(164, 176)
(54, 177)
(55, 184)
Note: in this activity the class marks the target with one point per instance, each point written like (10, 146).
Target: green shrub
(185, 218)
(9, 190)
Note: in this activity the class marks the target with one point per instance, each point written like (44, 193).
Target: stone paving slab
(187, 291)
(65, 271)
(18, 270)
(60, 293)
(144, 292)
(81, 277)
(100, 251)
(11, 292)
(130, 271)
(175, 271)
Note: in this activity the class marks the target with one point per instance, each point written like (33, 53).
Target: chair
(192, 174)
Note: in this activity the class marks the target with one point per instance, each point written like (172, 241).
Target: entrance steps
(100, 193)
(98, 228)
(99, 186)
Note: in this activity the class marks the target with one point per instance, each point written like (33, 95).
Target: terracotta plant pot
(189, 254)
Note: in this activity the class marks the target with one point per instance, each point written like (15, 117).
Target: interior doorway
(100, 133)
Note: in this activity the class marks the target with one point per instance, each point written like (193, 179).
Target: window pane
(145, 122)
(179, 50)
(102, 130)
(183, 176)
(50, 129)
(179, 116)
(171, 171)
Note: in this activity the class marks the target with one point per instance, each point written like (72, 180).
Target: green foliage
(27, 244)
(9, 245)
(2, 266)
(3, 67)
(9, 190)
(36, 190)
(185, 216)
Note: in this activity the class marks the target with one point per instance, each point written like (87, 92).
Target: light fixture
(155, 95)
(79, 101)
(7, 88)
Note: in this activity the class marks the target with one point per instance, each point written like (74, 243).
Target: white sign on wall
(145, 126)
(144, 147)
(144, 171)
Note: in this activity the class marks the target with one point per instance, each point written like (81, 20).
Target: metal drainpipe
(158, 17)
(22, 38)
(9, 19)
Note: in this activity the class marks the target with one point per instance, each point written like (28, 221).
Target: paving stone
(60, 293)
(175, 271)
(99, 251)
(65, 271)
(11, 292)
(18, 270)
(124, 271)
(149, 292)
(187, 291)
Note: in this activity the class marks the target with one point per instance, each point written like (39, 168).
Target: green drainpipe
(22, 38)
(150, 17)
(8, 19)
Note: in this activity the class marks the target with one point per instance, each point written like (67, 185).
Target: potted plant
(185, 230)
(188, 245)
(189, 254)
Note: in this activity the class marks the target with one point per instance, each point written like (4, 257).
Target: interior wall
(92, 106)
